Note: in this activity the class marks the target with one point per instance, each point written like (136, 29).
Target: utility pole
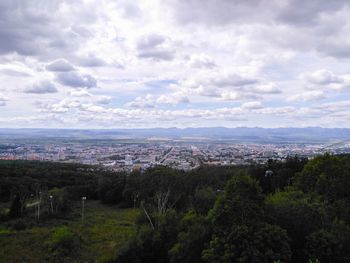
(83, 199)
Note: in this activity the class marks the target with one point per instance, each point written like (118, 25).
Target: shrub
(106, 259)
(18, 225)
(3, 215)
(63, 241)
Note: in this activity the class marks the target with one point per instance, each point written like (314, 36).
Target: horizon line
(167, 128)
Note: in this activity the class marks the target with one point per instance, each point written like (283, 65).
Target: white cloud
(79, 93)
(268, 88)
(173, 99)
(150, 101)
(307, 96)
(201, 61)
(321, 77)
(175, 62)
(142, 102)
(252, 105)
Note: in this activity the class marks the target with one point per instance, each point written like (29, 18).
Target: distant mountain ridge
(244, 134)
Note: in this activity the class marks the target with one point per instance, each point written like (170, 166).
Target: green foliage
(299, 214)
(258, 243)
(106, 259)
(3, 215)
(203, 200)
(18, 224)
(106, 229)
(328, 175)
(110, 188)
(194, 235)
(242, 203)
(152, 245)
(238, 235)
(283, 173)
(16, 207)
(60, 200)
(63, 242)
(330, 245)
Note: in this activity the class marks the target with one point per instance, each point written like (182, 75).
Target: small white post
(51, 204)
(82, 208)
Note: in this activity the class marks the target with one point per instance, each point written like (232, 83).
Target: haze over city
(131, 64)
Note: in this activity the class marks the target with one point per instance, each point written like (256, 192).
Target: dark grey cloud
(82, 31)
(60, 65)
(150, 41)
(221, 12)
(42, 87)
(32, 28)
(306, 13)
(334, 46)
(76, 80)
(103, 100)
(3, 100)
(157, 54)
(154, 46)
(218, 12)
(91, 61)
(312, 25)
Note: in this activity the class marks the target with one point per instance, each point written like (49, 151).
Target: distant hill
(242, 134)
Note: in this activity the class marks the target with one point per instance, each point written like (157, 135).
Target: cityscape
(182, 155)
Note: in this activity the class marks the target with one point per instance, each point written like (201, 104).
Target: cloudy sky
(174, 63)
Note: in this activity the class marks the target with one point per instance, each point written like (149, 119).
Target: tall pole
(82, 208)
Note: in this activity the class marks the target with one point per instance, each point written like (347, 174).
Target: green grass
(104, 230)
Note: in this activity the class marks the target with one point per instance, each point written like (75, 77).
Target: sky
(174, 63)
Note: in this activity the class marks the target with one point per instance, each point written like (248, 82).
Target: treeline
(291, 211)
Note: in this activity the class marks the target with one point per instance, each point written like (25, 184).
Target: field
(104, 230)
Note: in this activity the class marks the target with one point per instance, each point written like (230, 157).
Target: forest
(296, 210)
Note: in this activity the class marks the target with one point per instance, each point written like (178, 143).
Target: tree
(241, 203)
(330, 245)
(239, 231)
(16, 207)
(60, 200)
(110, 188)
(203, 200)
(257, 243)
(152, 245)
(298, 213)
(191, 240)
(320, 173)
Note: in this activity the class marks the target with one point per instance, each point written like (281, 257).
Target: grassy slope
(105, 229)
